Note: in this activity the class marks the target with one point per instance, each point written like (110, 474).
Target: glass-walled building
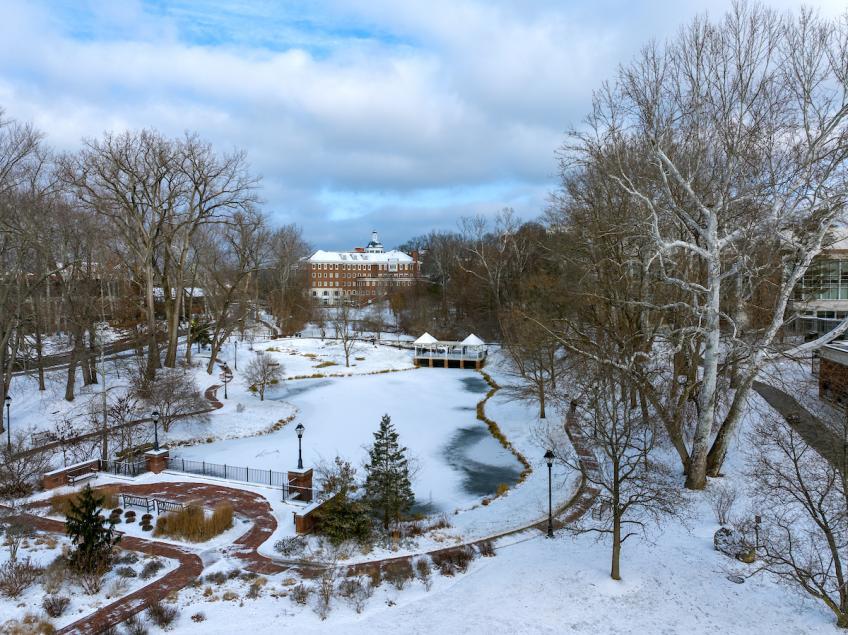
(821, 300)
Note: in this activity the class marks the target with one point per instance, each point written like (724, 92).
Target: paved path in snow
(247, 504)
(814, 432)
(189, 568)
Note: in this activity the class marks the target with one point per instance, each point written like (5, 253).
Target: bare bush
(722, 497)
(55, 605)
(17, 576)
(161, 614)
(356, 591)
(424, 572)
(300, 593)
(134, 626)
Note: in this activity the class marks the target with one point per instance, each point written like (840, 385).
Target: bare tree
(21, 467)
(261, 372)
(636, 487)
(732, 141)
(231, 256)
(347, 329)
(173, 393)
(802, 501)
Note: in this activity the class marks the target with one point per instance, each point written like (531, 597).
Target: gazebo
(432, 353)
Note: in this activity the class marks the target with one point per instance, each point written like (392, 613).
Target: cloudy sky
(393, 115)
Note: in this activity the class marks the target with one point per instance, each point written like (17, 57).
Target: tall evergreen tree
(91, 537)
(387, 488)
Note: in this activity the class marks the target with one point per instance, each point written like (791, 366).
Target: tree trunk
(542, 399)
(153, 363)
(697, 476)
(615, 567)
(70, 385)
(39, 346)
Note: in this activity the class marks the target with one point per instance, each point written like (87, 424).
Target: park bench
(40, 438)
(128, 500)
(167, 506)
(83, 474)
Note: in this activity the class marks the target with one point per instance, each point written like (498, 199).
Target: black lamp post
(235, 354)
(549, 459)
(155, 416)
(299, 429)
(8, 424)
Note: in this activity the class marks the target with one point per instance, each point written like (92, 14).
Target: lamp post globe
(549, 459)
(155, 416)
(299, 429)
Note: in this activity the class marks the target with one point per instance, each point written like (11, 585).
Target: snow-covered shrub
(126, 572)
(486, 549)
(398, 573)
(721, 497)
(356, 591)
(300, 593)
(17, 576)
(218, 577)
(134, 626)
(198, 617)
(151, 568)
(324, 593)
(424, 572)
(55, 605)
(161, 614)
(292, 546)
(455, 560)
(55, 575)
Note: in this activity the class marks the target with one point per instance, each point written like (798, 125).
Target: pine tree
(93, 540)
(388, 491)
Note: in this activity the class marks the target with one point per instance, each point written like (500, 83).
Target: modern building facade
(357, 276)
(821, 300)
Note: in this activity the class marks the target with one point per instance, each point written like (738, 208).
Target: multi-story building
(360, 275)
(821, 299)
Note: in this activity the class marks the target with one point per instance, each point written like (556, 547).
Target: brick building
(360, 275)
(833, 372)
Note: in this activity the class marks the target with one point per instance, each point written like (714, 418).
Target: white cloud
(381, 105)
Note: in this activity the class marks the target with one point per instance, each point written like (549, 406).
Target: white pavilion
(469, 353)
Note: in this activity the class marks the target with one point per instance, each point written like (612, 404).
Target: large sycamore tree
(729, 142)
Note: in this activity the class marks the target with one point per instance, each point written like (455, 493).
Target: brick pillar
(156, 460)
(301, 479)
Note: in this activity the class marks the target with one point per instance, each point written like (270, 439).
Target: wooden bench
(41, 438)
(79, 477)
(167, 506)
(128, 500)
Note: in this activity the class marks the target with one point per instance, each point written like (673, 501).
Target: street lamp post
(8, 424)
(226, 376)
(549, 459)
(155, 416)
(235, 354)
(299, 429)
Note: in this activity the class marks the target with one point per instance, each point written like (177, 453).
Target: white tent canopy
(426, 339)
(473, 340)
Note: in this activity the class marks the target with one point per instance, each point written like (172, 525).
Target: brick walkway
(189, 568)
(258, 510)
(247, 504)
(211, 396)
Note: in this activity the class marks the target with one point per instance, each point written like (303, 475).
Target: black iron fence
(271, 478)
(124, 468)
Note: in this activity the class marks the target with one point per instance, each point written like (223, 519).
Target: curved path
(256, 508)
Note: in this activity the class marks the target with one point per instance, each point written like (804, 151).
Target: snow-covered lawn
(43, 550)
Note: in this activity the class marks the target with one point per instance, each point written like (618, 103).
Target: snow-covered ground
(43, 549)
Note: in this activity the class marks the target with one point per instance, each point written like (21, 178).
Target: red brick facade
(833, 380)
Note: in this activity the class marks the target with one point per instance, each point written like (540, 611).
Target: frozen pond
(456, 460)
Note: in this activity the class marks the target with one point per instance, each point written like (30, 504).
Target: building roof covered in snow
(359, 257)
(473, 340)
(426, 339)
